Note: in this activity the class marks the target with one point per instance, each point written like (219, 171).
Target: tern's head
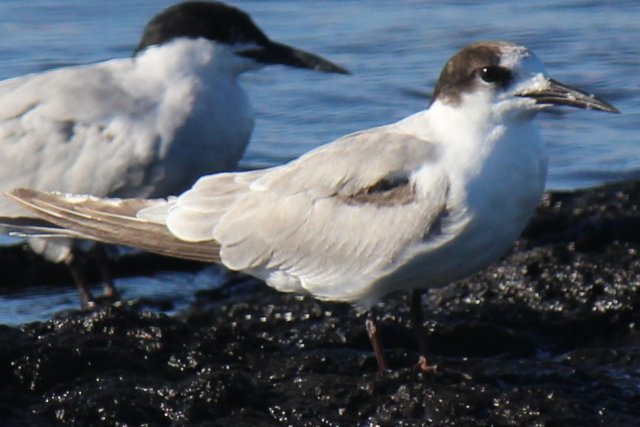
(507, 78)
(229, 27)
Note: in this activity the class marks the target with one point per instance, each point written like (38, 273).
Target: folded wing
(110, 221)
(329, 222)
(343, 213)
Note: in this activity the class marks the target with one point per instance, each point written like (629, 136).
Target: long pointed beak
(556, 93)
(278, 53)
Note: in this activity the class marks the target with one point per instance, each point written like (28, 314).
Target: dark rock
(546, 336)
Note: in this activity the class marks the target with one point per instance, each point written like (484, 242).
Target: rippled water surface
(395, 50)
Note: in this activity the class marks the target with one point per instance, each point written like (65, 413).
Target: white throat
(193, 56)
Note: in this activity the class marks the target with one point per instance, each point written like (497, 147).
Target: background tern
(415, 204)
(146, 126)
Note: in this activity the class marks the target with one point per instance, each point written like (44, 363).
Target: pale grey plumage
(286, 224)
(103, 129)
(98, 130)
(290, 225)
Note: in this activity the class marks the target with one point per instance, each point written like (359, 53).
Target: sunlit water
(395, 50)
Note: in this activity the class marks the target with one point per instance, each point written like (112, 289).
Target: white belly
(486, 213)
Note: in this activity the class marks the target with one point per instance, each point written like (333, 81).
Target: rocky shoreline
(547, 336)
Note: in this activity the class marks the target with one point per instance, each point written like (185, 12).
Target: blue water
(395, 50)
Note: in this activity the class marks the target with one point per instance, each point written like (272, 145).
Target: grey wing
(58, 131)
(326, 223)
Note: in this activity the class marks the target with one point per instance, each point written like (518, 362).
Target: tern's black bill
(278, 53)
(556, 93)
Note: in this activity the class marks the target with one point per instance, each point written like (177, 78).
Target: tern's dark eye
(495, 74)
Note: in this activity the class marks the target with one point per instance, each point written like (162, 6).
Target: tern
(146, 126)
(408, 206)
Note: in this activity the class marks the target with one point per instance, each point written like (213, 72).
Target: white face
(528, 75)
(531, 89)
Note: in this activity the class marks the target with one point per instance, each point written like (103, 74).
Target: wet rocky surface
(548, 336)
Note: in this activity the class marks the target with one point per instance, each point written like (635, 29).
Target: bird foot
(424, 366)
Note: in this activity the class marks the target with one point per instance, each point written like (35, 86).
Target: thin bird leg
(420, 332)
(374, 337)
(102, 259)
(86, 298)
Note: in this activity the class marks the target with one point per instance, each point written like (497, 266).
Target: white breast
(497, 176)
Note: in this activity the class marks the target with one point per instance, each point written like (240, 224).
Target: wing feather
(58, 131)
(112, 221)
(331, 222)
(340, 214)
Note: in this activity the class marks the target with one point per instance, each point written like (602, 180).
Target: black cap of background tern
(226, 24)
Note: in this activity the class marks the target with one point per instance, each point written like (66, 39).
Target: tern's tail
(105, 220)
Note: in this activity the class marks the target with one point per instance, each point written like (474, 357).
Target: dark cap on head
(212, 20)
(229, 25)
(459, 73)
(480, 64)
